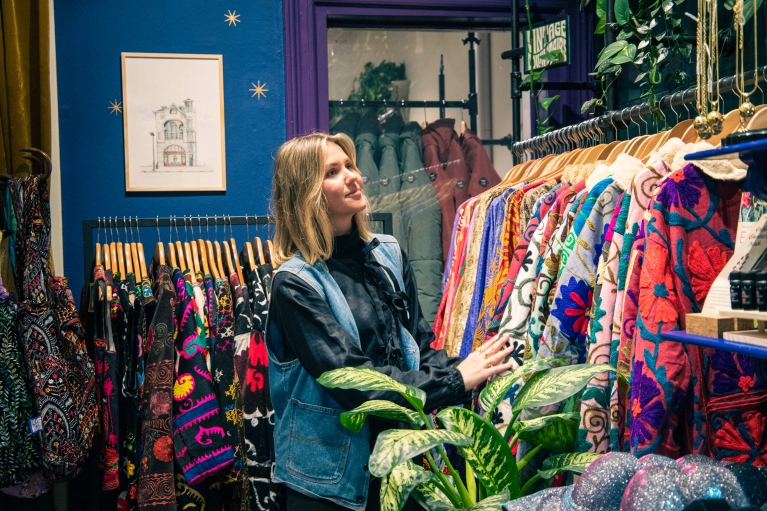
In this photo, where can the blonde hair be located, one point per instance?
(300, 212)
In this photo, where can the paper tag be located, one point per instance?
(35, 424)
(750, 242)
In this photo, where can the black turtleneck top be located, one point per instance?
(311, 333)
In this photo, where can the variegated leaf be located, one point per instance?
(355, 419)
(431, 498)
(493, 503)
(554, 432)
(364, 378)
(554, 385)
(488, 454)
(492, 395)
(397, 486)
(570, 462)
(397, 445)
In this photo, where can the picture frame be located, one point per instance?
(173, 120)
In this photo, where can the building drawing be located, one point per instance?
(176, 136)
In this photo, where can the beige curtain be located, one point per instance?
(25, 92)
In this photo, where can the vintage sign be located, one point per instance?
(550, 44)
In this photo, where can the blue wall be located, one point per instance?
(90, 35)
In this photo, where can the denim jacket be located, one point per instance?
(314, 454)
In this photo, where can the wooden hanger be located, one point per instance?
(269, 252)
(203, 254)
(759, 120)
(219, 259)
(128, 260)
(195, 259)
(248, 256)
(258, 249)
(237, 266)
(172, 255)
(98, 260)
(159, 250)
(228, 260)
(729, 125)
(212, 260)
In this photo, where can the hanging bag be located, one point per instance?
(52, 339)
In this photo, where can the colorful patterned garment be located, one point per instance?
(129, 416)
(259, 303)
(250, 361)
(199, 437)
(457, 261)
(530, 204)
(490, 250)
(509, 274)
(626, 303)
(580, 220)
(684, 398)
(155, 479)
(523, 271)
(227, 385)
(20, 455)
(106, 371)
(565, 332)
(595, 427)
(62, 374)
(465, 290)
(547, 270)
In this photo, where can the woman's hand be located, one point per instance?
(485, 362)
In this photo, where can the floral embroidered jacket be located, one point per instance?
(565, 333)
(538, 221)
(686, 399)
(547, 270)
(626, 304)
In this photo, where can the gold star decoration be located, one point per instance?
(259, 90)
(232, 17)
(115, 107)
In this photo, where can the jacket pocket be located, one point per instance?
(318, 444)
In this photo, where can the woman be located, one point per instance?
(343, 297)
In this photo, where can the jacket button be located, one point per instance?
(360, 498)
(365, 468)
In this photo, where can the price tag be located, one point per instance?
(35, 424)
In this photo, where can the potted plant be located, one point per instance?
(492, 472)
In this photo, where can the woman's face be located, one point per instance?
(342, 186)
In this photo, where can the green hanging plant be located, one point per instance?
(651, 39)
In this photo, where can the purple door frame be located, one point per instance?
(306, 57)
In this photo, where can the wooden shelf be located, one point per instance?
(755, 315)
(752, 350)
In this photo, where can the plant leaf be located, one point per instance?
(653, 23)
(667, 5)
(584, 3)
(624, 34)
(488, 454)
(396, 487)
(640, 77)
(571, 462)
(749, 9)
(496, 390)
(554, 385)
(600, 28)
(625, 55)
(364, 378)
(493, 503)
(355, 419)
(609, 51)
(554, 432)
(601, 9)
(429, 496)
(546, 102)
(622, 12)
(643, 30)
(553, 56)
(588, 105)
(397, 445)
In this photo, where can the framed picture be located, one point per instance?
(174, 122)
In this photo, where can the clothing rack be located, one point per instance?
(564, 136)
(190, 221)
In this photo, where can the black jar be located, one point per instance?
(748, 290)
(736, 298)
(761, 291)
